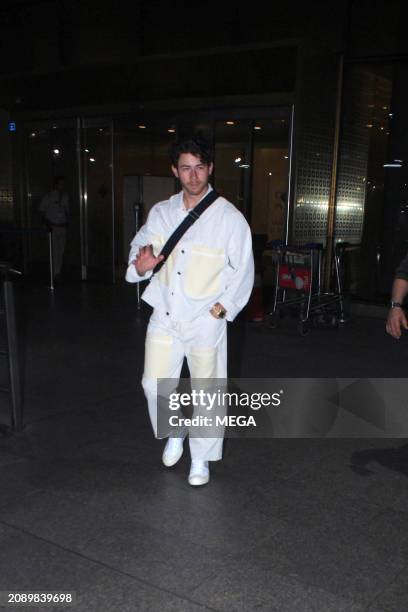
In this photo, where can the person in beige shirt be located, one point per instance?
(54, 209)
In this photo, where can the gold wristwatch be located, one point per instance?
(218, 311)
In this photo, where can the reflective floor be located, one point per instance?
(284, 525)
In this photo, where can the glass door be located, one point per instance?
(233, 161)
(98, 213)
(270, 177)
(253, 167)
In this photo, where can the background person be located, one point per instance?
(54, 209)
(397, 320)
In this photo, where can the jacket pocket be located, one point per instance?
(203, 273)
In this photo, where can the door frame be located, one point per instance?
(83, 124)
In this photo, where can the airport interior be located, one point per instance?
(304, 106)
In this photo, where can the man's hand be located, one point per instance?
(396, 320)
(145, 260)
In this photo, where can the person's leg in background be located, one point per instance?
(59, 238)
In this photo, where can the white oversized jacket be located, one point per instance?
(213, 261)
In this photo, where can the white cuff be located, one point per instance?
(231, 308)
(133, 277)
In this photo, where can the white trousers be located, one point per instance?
(59, 238)
(204, 343)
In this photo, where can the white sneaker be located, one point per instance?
(199, 473)
(172, 451)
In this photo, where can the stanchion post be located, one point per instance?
(51, 260)
(13, 357)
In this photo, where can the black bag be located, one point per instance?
(194, 214)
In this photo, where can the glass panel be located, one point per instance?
(394, 143)
(370, 193)
(314, 149)
(143, 174)
(51, 152)
(270, 177)
(232, 161)
(99, 232)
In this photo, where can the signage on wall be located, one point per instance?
(12, 126)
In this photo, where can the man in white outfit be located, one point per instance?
(205, 281)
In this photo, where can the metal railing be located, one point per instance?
(10, 351)
(38, 231)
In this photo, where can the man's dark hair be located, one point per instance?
(197, 145)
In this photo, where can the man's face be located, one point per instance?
(192, 173)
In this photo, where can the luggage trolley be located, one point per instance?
(298, 271)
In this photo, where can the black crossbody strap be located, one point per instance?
(194, 214)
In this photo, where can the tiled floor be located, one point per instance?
(285, 525)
